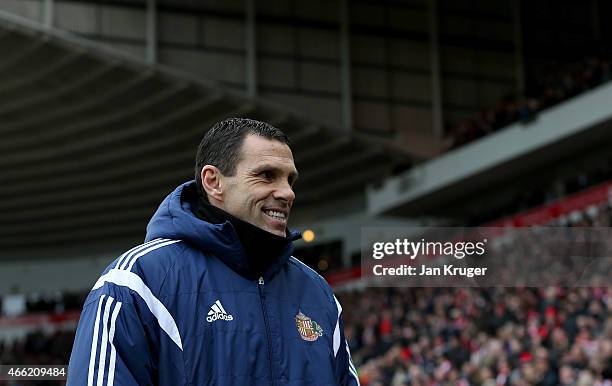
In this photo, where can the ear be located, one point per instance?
(212, 183)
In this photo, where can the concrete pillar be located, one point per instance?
(151, 33)
(48, 9)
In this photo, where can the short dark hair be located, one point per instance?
(221, 145)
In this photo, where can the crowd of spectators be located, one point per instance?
(554, 85)
(502, 336)
(480, 336)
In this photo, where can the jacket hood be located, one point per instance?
(175, 219)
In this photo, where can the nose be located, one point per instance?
(285, 192)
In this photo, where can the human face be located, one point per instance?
(261, 190)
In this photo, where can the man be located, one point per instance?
(213, 297)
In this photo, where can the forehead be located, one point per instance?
(258, 150)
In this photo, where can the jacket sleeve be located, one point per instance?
(346, 373)
(113, 343)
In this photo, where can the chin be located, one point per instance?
(279, 233)
(276, 232)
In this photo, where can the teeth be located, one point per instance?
(276, 215)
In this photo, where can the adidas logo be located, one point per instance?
(217, 312)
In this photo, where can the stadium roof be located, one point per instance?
(93, 139)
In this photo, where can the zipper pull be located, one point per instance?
(261, 280)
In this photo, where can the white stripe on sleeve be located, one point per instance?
(104, 341)
(337, 329)
(94, 344)
(149, 249)
(113, 355)
(352, 369)
(126, 256)
(142, 247)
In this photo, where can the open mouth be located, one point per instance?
(276, 214)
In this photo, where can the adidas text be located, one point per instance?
(217, 316)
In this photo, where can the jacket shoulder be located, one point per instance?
(148, 262)
(312, 276)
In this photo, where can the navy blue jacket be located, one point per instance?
(175, 311)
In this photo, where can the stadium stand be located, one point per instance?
(557, 85)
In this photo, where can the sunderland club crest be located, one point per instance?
(309, 329)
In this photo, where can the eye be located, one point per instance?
(266, 174)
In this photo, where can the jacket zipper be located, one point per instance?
(262, 298)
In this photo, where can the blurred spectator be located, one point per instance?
(13, 304)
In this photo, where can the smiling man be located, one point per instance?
(213, 296)
(259, 188)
